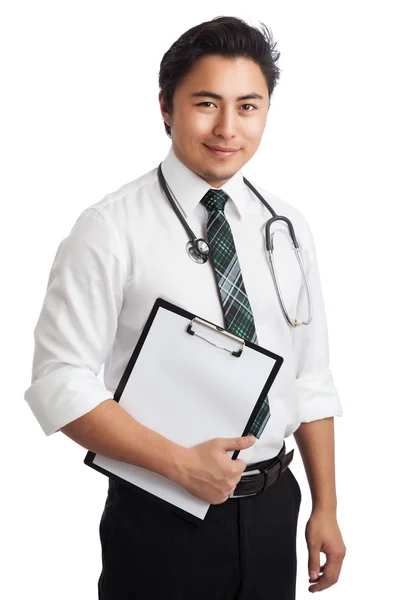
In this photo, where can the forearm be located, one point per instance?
(315, 441)
(111, 431)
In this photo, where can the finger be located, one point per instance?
(330, 576)
(321, 571)
(313, 562)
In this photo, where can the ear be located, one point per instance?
(164, 111)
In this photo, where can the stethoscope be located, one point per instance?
(199, 250)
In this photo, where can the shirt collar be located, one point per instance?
(188, 188)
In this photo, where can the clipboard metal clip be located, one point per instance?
(220, 330)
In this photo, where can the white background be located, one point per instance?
(80, 117)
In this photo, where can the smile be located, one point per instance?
(222, 153)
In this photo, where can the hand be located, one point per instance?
(208, 473)
(323, 535)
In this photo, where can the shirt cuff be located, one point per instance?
(318, 398)
(64, 395)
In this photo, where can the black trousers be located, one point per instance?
(245, 549)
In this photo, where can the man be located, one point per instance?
(216, 83)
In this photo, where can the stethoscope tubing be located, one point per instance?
(197, 243)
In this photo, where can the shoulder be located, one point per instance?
(112, 213)
(109, 217)
(118, 204)
(104, 227)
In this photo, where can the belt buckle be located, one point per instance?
(233, 495)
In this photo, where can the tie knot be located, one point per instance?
(214, 199)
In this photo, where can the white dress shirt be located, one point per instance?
(130, 248)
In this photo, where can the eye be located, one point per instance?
(202, 103)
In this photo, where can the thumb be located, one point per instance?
(238, 443)
(313, 564)
(249, 439)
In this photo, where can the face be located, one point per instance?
(215, 106)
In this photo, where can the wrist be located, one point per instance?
(324, 508)
(324, 498)
(175, 463)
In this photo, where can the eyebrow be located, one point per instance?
(207, 94)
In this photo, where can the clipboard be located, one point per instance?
(190, 380)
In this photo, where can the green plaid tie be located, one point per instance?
(235, 304)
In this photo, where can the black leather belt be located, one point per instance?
(250, 485)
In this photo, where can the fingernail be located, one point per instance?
(313, 574)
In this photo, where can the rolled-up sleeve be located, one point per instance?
(317, 394)
(77, 324)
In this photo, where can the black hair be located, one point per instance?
(225, 36)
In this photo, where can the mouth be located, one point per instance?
(219, 152)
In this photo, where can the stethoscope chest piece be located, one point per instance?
(198, 250)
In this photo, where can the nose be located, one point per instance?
(225, 124)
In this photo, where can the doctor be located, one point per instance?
(123, 252)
